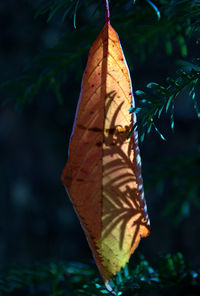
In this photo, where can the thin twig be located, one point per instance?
(107, 10)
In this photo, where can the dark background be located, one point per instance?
(37, 220)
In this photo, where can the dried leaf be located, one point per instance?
(103, 172)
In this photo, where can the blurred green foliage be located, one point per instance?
(178, 177)
(178, 21)
(170, 275)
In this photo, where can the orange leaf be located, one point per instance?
(103, 172)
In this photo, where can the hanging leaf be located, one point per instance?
(103, 172)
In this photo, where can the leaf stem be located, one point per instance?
(107, 10)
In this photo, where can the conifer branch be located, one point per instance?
(158, 99)
(170, 273)
(179, 21)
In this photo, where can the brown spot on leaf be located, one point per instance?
(95, 129)
(92, 129)
(99, 144)
(67, 178)
(110, 131)
(81, 126)
(112, 144)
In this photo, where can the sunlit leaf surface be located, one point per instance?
(103, 172)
